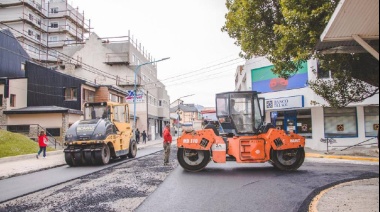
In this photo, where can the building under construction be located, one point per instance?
(44, 27)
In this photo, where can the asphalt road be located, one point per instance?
(22, 185)
(251, 187)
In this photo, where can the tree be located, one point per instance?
(286, 32)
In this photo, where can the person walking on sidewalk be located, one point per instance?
(137, 136)
(144, 136)
(167, 143)
(42, 142)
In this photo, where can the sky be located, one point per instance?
(203, 59)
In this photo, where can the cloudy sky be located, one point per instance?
(203, 58)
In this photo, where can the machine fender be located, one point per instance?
(197, 140)
(279, 140)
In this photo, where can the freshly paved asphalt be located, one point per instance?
(14, 187)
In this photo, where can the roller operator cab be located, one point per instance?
(244, 137)
(103, 134)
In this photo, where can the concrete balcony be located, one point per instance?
(117, 59)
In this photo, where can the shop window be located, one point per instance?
(298, 121)
(340, 122)
(71, 94)
(13, 100)
(371, 118)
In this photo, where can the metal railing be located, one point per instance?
(332, 141)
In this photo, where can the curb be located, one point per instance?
(344, 157)
(22, 157)
(56, 152)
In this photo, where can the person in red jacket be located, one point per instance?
(167, 143)
(42, 142)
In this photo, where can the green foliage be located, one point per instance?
(348, 81)
(286, 32)
(13, 144)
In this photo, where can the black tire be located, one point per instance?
(79, 159)
(211, 126)
(289, 159)
(89, 158)
(103, 157)
(69, 159)
(132, 149)
(193, 160)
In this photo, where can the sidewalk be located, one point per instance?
(24, 164)
(355, 153)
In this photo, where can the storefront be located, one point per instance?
(289, 107)
(348, 126)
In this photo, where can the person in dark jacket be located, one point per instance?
(167, 144)
(144, 135)
(137, 136)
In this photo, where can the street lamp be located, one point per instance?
(178, 111)
(135, 87)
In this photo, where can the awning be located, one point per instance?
(353, 28)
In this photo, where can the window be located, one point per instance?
(13, 100)
(321, 73)
(71, 94)
(54, 10)
(53, 39)
(340, 122)
(19, 128)
(120, 114)
(88, 95)
(30, 32)
(54, 25)
(31, 17)
(1, 100)
(39, 21)
(38, 37)
(56, 132)
(371, 118)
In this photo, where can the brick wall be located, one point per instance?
(102, 94)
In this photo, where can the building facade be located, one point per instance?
(187, 115)
(113, 62)
(43, 27)
(33, 97)
(289, 107)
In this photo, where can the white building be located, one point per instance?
(43, 26)
(288, 107)
(113, 62)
